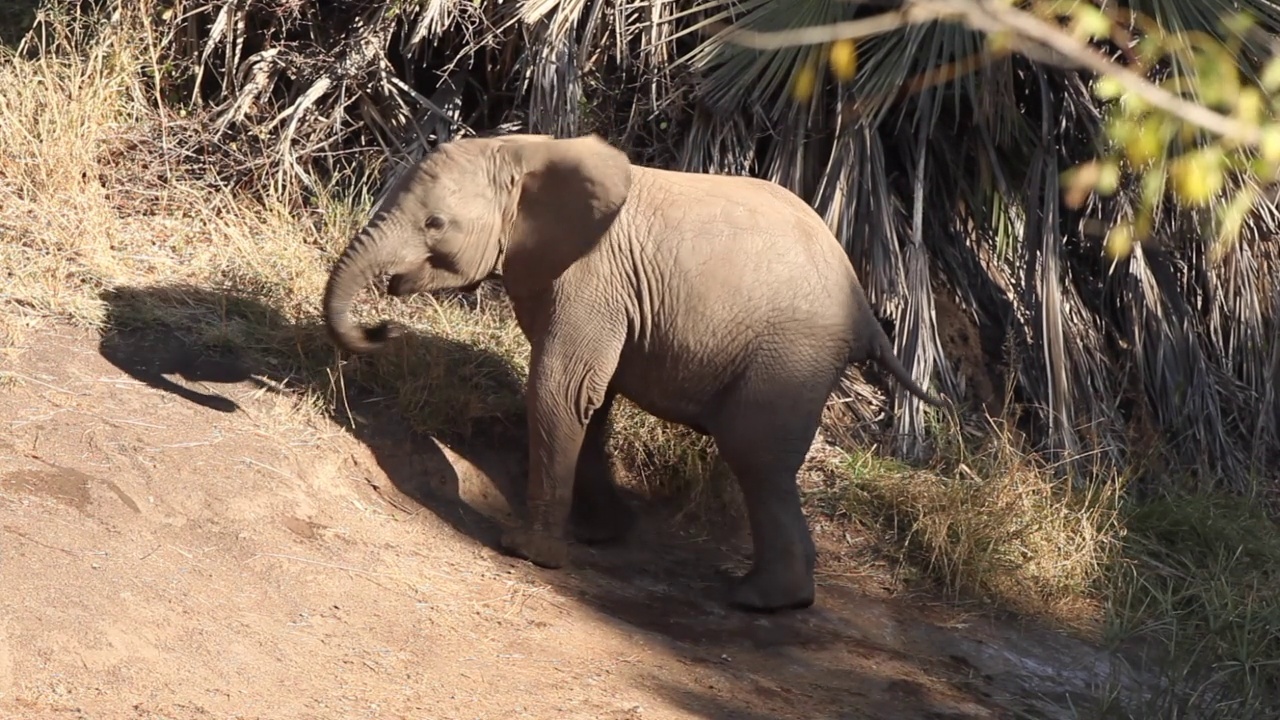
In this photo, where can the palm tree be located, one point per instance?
(938, 170)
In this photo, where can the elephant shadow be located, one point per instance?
(209, 338)
(473, 477)
(148, 356)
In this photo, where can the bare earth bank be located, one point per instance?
(211, 550)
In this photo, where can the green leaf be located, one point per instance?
(1108, 177)
(1270, 144)
(1146, 141)
(1153, 184)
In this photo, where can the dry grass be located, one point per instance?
(102, 223)
(988, 520)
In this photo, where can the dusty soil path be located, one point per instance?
(210, 550)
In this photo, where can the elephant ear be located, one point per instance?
(568, 194)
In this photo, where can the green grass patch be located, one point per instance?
(1200, 584)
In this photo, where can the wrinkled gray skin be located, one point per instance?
(721, 303)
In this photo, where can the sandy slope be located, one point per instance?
(165, 558)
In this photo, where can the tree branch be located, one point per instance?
(1027, 33)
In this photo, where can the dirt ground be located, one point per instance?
(175, 549)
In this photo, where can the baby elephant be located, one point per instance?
(721, 303)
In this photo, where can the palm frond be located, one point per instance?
(724, 146)
(733, 76)
(552, 72)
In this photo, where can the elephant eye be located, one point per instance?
(434, 222)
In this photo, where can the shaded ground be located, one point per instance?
(196, 547)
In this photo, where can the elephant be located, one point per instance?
(721, 303)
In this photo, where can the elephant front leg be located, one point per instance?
(554, 446)
(560, 402)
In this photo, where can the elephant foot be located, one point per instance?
(772, 592)
(599, 526)
(537, 547)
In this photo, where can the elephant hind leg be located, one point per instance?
(764, 441)
(600, 514)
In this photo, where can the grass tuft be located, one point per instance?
(988, 520)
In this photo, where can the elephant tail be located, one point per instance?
(882, 352)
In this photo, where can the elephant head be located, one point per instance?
(523, 206)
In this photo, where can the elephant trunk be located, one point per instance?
(366, 257)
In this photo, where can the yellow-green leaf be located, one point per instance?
(1264, 171)
(1249, 105)
(1149, 49)
(1145, 143)
(1153, 184)
(1231, 220)
(1089, 23)
(1108, 177)
(1142, 223)
(1132, 105)
(804, 82)
(1239, 23)
(1197, 175)
(1217, 79)
(843, 59)
(1270, 143)
(999, 42)
(1118, 128)
(1271, 75)
(1119, 242)
(1107, 88)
